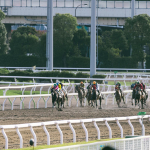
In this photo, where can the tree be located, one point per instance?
(137, 31)
(21, 44)
(42, 46)
(79, 40)
(119, 41)
(3, 32)
(65, 26)
(25, 30)
(106, 50)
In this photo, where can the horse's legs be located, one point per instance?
(81, 102)
(67, 99)
(100, 101)
(123, 99)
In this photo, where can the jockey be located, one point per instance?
(61, 87)
(139, 85)
(82, 87)
(95, 86)
(118, 85)
(56, 87)
(132, 85)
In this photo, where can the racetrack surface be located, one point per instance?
(48, 114)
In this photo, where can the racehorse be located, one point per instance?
(92, 96)
(89, 95)
(140, 96)
(81, 94)
(65, 95)
(60, 99)
(53, 97)
(119, 96)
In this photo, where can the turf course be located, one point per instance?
(19, 92)
(66, 144)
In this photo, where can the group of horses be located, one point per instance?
(58, 98)
(92, 96)
(139, 97)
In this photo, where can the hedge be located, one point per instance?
(74, 62)
(122, 62)
(148, 62)
(22, 61)
(79, 62)
(98, 76)
(46, 74)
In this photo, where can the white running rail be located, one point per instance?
(40, 96)
(70, 122)
(63, 68)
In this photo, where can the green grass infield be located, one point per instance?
(65, 144)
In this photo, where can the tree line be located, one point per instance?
(70, 43)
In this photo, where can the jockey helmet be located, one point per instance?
(138, 82)
(81, 82)
(94, 82)
(118, 82)
(57, 83)
(54, 84)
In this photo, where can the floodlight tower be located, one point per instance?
(49, 38)
(93, 39)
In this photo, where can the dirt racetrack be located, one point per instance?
(40, 115)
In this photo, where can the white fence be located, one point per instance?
(98, 69)
(138, 143)
(132, 79)
(106, 92)
(70, 122)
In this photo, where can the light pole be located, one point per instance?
(93, 39)
(49, 38)
(78, 6)
(97, 34)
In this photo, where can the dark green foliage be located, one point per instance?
(81, 75)
(80, 41)
(21, 73)
(119, 41)
(79, 62)
(3, 33)
(137, 31)
(41, 50)
(21, 44)
(148, 62)
(3, 71)
(99, 76)
(21, 61)
(124, 62)
(2, 15)
(64, 29)
(25, 30)
(47, 74)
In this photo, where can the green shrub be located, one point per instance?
(47, 74)
(66, 74)
(81, 75)
(79, 62)
(4, 71)
(99, 76)
(21, 73)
